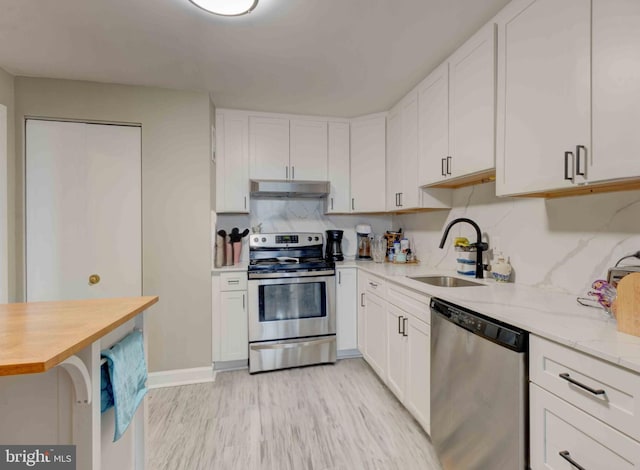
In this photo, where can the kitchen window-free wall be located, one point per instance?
(176, 133)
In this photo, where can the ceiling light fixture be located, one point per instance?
(226, 7)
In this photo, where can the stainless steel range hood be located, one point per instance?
(290, 189)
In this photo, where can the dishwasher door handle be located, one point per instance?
(567, 377)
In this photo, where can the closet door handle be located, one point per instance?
(567, 456)
(578, 148)
(362, 300)
(567, 156)
(399, 324)
(449, 165)
(404, 326)
(442, 166)
(568, 378)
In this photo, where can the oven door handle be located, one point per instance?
(330, 272)
(295, 344)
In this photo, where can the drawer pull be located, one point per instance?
(362, 300)
(373, 284)
(233, 281)
(567, 456)
(566, 377)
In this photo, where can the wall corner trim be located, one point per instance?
(173, 378)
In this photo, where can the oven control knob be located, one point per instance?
(317, 238)
(309, 238)
(256, 239)
(264, 239)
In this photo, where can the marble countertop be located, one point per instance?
(552, 315)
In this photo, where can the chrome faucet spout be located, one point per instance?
(480, 246)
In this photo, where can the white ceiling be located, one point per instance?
(324, 57)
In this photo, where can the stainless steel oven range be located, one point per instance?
(292, 317)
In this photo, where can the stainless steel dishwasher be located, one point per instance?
(479, 400)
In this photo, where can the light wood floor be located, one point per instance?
(315, 418)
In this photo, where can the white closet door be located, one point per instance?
(83, 210)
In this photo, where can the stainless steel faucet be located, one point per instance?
(479, 244)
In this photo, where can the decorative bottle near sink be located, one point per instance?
(501, 268)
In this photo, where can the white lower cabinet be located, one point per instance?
(375, 351)
(230, 329)
(346, 310)
(417, 393)
(583, 411)
(396, 350)
(564, 437)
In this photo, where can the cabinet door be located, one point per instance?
(232, 162)
(543, 93)
(362, 317)
(433, 126)
(561, 432)
(368, 164)
(472, 104)
(308, 150)
(396, 350)
(394, 159)
(338, 200)
(409, 192)
(234, 335)
(418, 372)
(376, 333)
(346, 309)
(615, 90)
(269, 148)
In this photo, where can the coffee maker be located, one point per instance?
(364, 241)
(333, 250)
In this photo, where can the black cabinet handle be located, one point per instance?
(400, 199)
(331, 203)
(353, 203)
(578, 148)
(399, 325)
(243, 302)
(293, 172)
(442, 163)
(339, 277)
(362, 300)
(404, 326)
(397, 199)
(567, 155)
(449, 165)
(567, 456)
(245, 202)
(568, 378)
(286, 172)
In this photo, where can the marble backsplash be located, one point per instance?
(299, 215)
(560, 244)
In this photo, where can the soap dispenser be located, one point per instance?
(501, 268)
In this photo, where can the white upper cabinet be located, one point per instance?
(338, 168)
(269, 148)
(472, 105)
(543, 94)
(394, 159)
(308, 150)
(615, 90)
(433, 126)
(409, 197)
(368, 138)
(232, 162)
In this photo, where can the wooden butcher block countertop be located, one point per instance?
(36, 336)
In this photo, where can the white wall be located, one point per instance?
(561, 244)
(7, 227)
(175, 200)
(300, 215)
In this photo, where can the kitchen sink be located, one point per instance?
(445, 281)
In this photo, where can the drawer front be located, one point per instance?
(233, 281)
(375, 285)
(562, 436)
(411, 302)
(608, 392)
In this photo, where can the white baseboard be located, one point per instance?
(348, 353)
(173, 378)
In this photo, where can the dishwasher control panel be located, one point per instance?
(494, 330)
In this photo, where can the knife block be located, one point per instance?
(628, 304)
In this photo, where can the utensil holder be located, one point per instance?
(220, 259)
(229, 255)
(237, 248)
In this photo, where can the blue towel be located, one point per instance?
(128, 374)
(106, 394)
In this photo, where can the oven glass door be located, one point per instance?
(291, 307)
